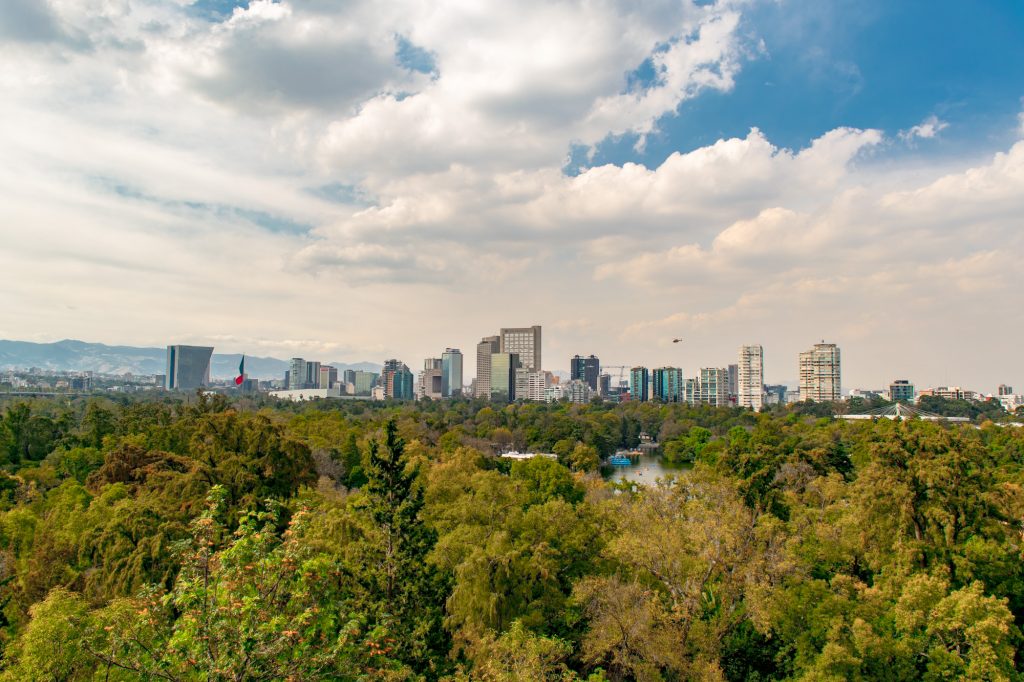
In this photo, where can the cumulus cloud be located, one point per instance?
(332, 176)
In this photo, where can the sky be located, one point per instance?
(348, 180)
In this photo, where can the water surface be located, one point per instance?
(646, 470)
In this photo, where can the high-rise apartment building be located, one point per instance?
(713, 387)
(487, 347)
(524, 342)
(667, 384)
(188, 367)
(639, 386)
(901, 391)
(451, 372)
(1004, 390)
(750, 378)
(691, 391)
(503, 376)
(585, 369)
(820, 375)
(537, 386)
(734, 382)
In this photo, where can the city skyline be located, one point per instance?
(689, 371)
(201, 173)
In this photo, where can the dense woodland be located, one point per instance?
(214, 539)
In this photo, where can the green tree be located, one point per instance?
(97, 423)
(50, 648)
(402, 592)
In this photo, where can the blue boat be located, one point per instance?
(620, 460)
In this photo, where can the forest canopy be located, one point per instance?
(204, 538)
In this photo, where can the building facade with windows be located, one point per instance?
(398, 380)
(902, 391)
(667, 384)
(488, 346)
(585, 369)
(750, 378)
(713, 387)
(524, 342)
(503, 376)
(451, 372)
(820, 373)
(639, 384)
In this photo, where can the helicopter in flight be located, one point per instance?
(677, 340)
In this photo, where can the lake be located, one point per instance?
(645, 470)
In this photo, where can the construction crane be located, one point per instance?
(622, 370)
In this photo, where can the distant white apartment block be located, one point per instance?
(750, 378)
(820, 374)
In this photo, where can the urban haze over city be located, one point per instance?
(358, 183)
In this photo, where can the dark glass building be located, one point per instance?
(639, 384)
(585, 369)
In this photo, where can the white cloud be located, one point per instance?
(925, 130)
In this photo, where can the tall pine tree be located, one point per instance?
(404, 592)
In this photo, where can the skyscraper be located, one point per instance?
(820, 376)
(188, 367)
(328, 377)
(585, 369)
(667, 384)
(297, 374)
(750, 379)
(487, 347)
(524, 342)
(503, 376)
(398, 380)
(639, 388)
(451, 368)
(312, 374)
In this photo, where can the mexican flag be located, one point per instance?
(241, 372)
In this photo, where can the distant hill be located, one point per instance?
(70, 355)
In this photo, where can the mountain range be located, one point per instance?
(79, 356)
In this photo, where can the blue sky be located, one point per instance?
(357, 180)
(861, 63)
